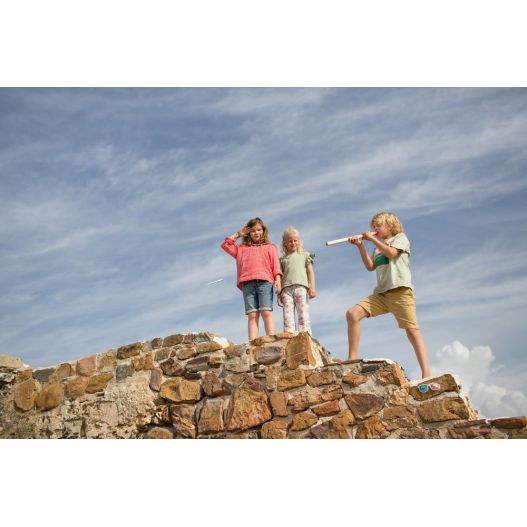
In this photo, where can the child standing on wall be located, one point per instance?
(258, 269)
(394, 292)
(298, 283)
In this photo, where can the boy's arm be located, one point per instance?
(311, 277)
(388, 251)
(366, 259)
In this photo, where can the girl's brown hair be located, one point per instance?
(250, 224)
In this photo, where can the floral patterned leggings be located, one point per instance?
(295, 296)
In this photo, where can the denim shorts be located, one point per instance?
(257, 295)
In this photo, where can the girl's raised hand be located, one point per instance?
(244, 231)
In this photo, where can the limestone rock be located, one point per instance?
(364, 405)
(445, 409)
(183, 420)
(303, 420)
(320, 378)
(106, 362)
(172, 367)
(76, 387)
(291, 379)
(173, 340)
(50, 396)
(279, 403)
(372, 428)
(211, 417)
(391, 374)
(10, 362)
(274, 430)
(249, 406)
(298, 351)
(186, 351)
(181, 390)
(64, 371)
(205, 347)
(87, 366)
(98, 383)
(354, 379)
(327, 408)
(130, 350)
(212, 386)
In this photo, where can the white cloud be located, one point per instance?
(479, 377)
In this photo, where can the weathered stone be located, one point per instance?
(291, 379)
(321, 431)
(159, 433)
(7, 378)
(303, 420)
(173, 340)
(233, 381)
(509, 422)
(211, 417)
(206, 347)
(172, 367)
(343, 421)
(185, 351)
(402, 422)
(24, 375)
(156, 343)
(163, 354)
(327, 408)
(320, 378)
(235, 350)
(272, 374)
(197, 364)
(397, 412)
(398, 397)
(268, 354)
(284, 335)
(124, 370)
(106, 362)
(130, 350)
(417, 433)
(25, 393)
(238, 364)
(149, 361)
(183, 420)
(43, 375)
(354, 379)
(76, 387)
(470, 432)
(391, 374)
(260, 341)
(98, 383)
(50, 396)
(309, 396)
(181, 390)
(212, 385)
(63, 371)
(372, 428)
(364, 405)
(216, 359)
(274, 430)
(518, 434)
(156, 377)
(445, 409)
(87, 366)
(248, 407)
(10, 362)
(298, 351)
(138, 362)
(446, 382)
(279, 403)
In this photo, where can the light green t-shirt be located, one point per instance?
(395, 272)
(294, 268)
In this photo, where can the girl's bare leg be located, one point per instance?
(268, 322)
(418, 343)
(252, 324)
(353, 317)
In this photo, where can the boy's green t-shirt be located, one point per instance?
(396, 272)
(294, 268)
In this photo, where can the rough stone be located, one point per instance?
(106, 362)
(181, 390)
(159, 433)
(238, 365)
(364, 405)
(87, 366)
(25, 393)
(391, 374)
(397, 412)
(327, 408)
(172, 367)
(268, 355)
(354, 379)
(298, 351)
(260, 341)
(10, 362)
(197, 364)
(63, 371)
(98, 383)
(183, 420)
(43, 375)
(445, 409)
(279, 403)
(163, 354)
(446, 382)
(138, 362)
(76, 387)
(156, 378)
(130, 350)
(249, 406)
(470, 432)
(206, 347)
(50, 396)
(212, 386)
(149, 361)
(124, 370)
(211, 417)
(303, 420)
(291, 379)
(274, 430)
(156, 343)
(509, 422)
(308, 396)
(173, 340)
(320, 378)
(236, 350)
(372, 428)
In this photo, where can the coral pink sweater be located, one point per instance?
(253, 262)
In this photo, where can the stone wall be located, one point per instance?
(200, 385)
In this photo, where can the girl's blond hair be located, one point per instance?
(389, 219)
(290, 231)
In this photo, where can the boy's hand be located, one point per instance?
(367, 236)
(355, 240)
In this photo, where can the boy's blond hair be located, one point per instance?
(290, 231)
(389, 219)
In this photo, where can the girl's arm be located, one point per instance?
(276, 268)
(229, 244)
(311, 277)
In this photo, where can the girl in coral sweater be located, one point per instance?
(258, 269)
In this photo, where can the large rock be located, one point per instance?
(25, 393)
(181, 390)
(249, 406)
(298, 351)
(211, 417)
(10, 362)
(364, 405)
(445, 409)
(50, 397)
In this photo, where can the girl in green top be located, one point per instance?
(298, 282)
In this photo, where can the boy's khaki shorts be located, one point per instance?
(399, 301)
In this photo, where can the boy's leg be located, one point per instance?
(354, 316)
(418, 343)
(252, 324)
(289, 311)
(268, 322)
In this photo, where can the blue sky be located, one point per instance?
(115, 202)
